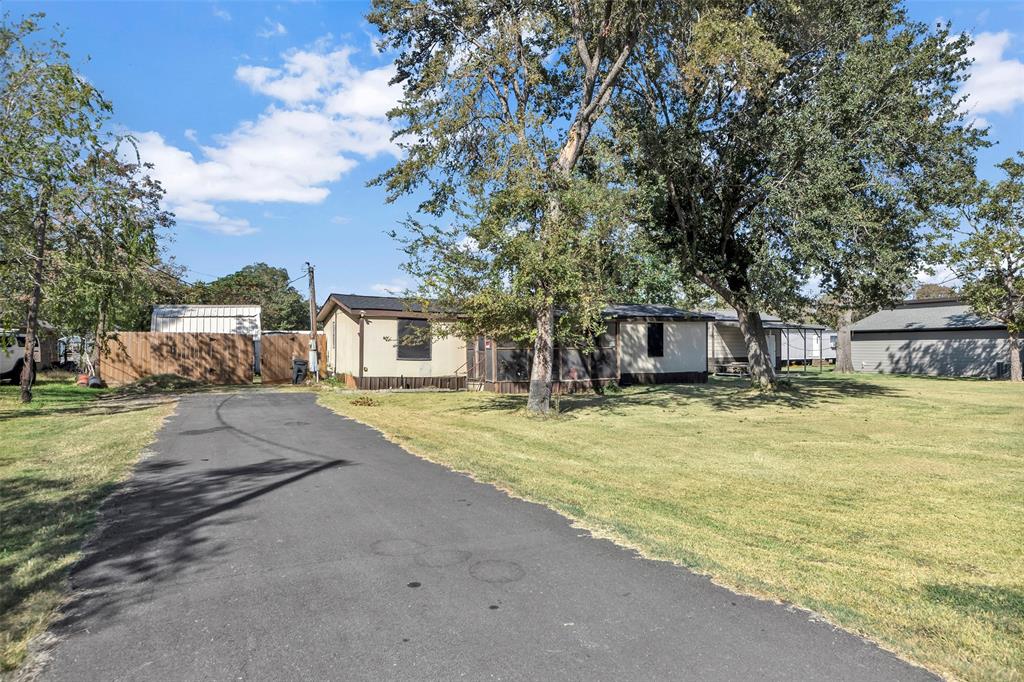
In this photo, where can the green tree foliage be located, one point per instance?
(929, 290)
(500, 102)
(111, 270)
(283, 307)
(984, 247)
(791, 143)
(80, 226)
(50, 119)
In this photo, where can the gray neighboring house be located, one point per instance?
(937, 337)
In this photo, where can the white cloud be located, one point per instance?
(191, 135)
(393, 287)
(271, 28)
(207, 216)
(328, 78)
(326, 114)
(979, 122)
(221, 13)
(996, 84)
(940, 274)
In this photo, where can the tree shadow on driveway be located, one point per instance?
(157, 528)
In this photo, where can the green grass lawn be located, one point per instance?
(59, 457)
(892, 506)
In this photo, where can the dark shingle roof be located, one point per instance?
(645, 310)
(392, 303)
(769, 321)
(357, 302)
(927, 314)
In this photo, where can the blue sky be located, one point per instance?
(266, 120)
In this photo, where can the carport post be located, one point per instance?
(803, 336)
(821, 350)
(789, 354)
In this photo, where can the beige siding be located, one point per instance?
(380, 353)
(972, 353)
(342, 344)
(685, 348)
(726, 343)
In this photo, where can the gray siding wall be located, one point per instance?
(968, 353)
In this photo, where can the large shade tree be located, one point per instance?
(793, 144)
(282, 306)
(501, 101)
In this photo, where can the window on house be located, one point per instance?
(655, 339)
(413, 339)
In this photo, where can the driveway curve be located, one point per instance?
(269, 538)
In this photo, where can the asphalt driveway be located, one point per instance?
(268, 538)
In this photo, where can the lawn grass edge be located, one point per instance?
(604, 533)
(39, 648)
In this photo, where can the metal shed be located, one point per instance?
(938, 337)
(210, 319)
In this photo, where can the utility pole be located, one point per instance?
(313, 365)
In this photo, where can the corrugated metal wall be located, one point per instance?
(970, 353)
(206, 319)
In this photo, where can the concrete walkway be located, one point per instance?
(269, 538)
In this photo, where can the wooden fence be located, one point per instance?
(278, 350)
(206, 358)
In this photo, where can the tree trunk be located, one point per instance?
(844, 342)
(101, 339)
(759, 359)
(539, 401)
(1015, 365)
(28, 368)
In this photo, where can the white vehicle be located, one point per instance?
(12, 356)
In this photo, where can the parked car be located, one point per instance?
(12, 356)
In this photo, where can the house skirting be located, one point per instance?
(629, 379)
(454, 383)
(557, 387)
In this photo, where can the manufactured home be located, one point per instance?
(641, 344)
(807, 345)
(385, 342)
(939, 337)
(788, 342)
